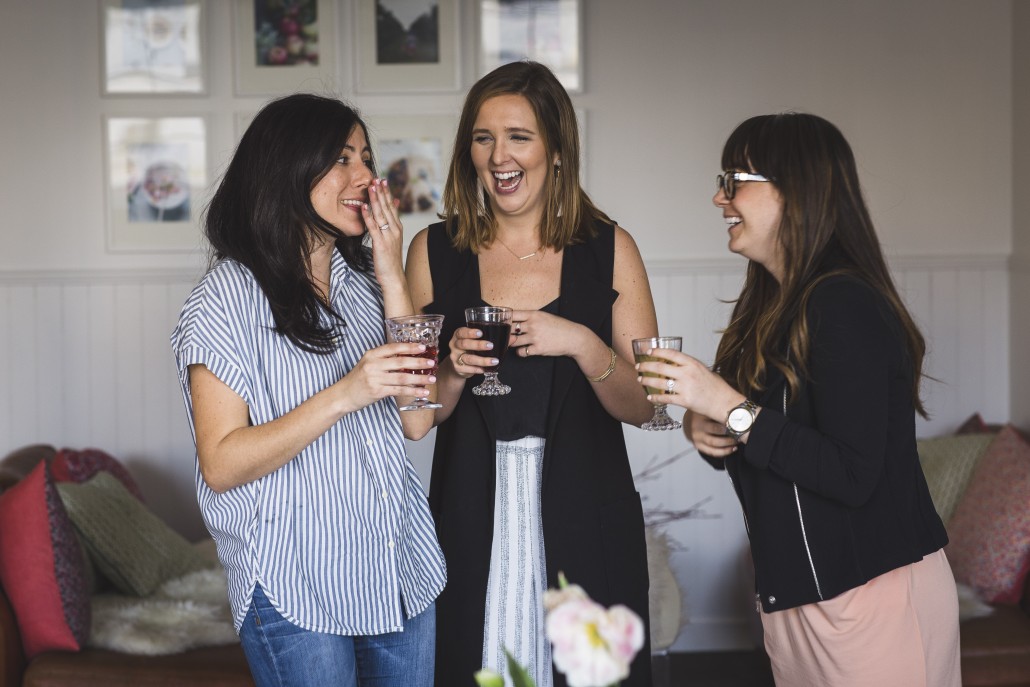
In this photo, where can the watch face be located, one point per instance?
(739, 420)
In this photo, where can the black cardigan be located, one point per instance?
(592, 516)
(860, 506)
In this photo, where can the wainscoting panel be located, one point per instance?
(85, 361)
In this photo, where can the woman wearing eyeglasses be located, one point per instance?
(811, 409)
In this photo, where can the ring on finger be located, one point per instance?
(526, 349)
(461, 359)
(384, 226)
(670, 385)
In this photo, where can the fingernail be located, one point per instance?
(489, 346)
(495, 361)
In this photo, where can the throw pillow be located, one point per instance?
(69, 465)
(41, 566)
(990, 530)
(130, 545)
(948, 464)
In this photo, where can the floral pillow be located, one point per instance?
(990, 530)
(70, 465)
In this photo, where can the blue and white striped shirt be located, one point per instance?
(340, 538)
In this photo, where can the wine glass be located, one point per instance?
(422, 329)
(661, 419)
(495, 323)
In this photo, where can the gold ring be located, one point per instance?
(526, 349)
(461, 358)
(384, 227)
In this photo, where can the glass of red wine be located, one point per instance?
(495, 323)
(422, 329)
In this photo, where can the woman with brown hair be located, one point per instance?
(811, 409)
(536, 482)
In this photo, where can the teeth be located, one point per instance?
(733, 220)
(506, 175)
(348, 201)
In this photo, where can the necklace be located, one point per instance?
(517, 256)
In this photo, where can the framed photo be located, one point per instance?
(153, 47)
(412, 152)
(155, 175)
(283, 47)
(546, 31)
(406, 46)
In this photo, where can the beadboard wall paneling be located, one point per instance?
(85, 361)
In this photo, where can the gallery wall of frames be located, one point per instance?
(158, 169)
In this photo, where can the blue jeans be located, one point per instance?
(281, 653)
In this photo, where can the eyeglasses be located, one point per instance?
(727, 181)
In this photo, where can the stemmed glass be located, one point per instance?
(422, 329)
(495, 323)
(661, 419)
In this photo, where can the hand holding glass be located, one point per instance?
(421, 329)
(495, 323)
(661, 419)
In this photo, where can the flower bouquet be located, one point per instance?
(591, 645)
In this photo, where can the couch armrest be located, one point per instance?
(12, 656)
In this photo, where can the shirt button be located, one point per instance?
(384, 494)
(390, 543)
(772, 600)
(369, 443)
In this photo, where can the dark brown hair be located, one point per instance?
(825, 230)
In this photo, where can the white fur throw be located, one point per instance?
(184, 613)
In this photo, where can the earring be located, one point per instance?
(557, 168)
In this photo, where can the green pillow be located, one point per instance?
(948, 464)
(130, 546)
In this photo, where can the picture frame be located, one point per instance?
(153, 47)
(545, 31)
(156, 179)
(413, 152)
(406, 46)
(282, 49)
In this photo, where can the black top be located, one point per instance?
(833, 492)
(593, 522)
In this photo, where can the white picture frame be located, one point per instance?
(379, 67)
(153, 47)
(545, 31)
(413, 152)
(275, 53)
(156, 180)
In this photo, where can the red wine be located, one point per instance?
(428, 354)
(496, 333)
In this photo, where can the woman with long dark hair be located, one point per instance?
(536, 482)
(302, 477)
(811, 409)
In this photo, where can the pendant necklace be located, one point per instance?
(517, 256)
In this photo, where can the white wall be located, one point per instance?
(922, 88)
(1020, 268)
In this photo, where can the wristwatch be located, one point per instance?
(740, 419)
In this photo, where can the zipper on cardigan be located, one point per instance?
(801, 515)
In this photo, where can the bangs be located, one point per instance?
(749, 147)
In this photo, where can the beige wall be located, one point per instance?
(1020, 265)
(922, 88)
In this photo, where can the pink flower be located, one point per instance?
(592, 646)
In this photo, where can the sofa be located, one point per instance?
(88, 666)
(979, 479)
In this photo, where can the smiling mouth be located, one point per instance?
(507, 181)
(733, 221)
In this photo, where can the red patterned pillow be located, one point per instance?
(975, 425)
(990, 530)
(70, 465)
(42, 566)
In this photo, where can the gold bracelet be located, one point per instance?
(611, 368)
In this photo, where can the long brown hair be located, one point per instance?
(567, 208)
(825, 230)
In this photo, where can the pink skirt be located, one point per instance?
(897, 630)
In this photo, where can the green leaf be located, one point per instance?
(519, 676)
(488, 678)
